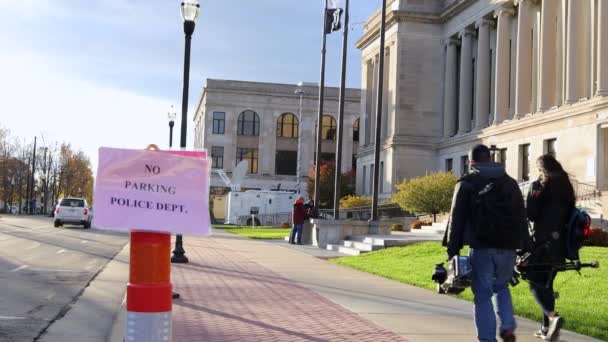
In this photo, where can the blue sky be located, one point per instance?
(104, 72)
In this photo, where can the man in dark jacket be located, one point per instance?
(298, 216)
(488, 214)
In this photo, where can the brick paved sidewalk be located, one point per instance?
(228, 297)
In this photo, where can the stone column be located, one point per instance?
(465, 109)
(482, 98)
(503, 60)
(523, 59)
(574, 30)
(450, 91)
(548, 55)
(602, 48)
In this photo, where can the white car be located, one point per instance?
(73, 210)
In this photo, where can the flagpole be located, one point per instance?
(374, 216)
(320, 114)
(338, 179)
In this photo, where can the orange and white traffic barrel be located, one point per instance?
(149, 290)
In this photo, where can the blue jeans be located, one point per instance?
(296, 233)
(492, 270)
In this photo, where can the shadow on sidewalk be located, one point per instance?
(248, 321)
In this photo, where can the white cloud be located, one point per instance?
(37, 97)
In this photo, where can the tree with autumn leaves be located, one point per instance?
(326, 188)
(60, 172)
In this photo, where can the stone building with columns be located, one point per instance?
(528, 76)
(273, 127)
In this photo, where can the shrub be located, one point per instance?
(397, 227)
(431, 194)
(353, 201)
(419, 223)
(597, 237)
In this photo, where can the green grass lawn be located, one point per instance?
(268, 233)
(583, 299)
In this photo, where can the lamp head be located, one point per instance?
(171, 116)
(190, 10)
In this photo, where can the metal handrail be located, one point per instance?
(264, 219)
(583, 191)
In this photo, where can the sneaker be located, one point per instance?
(555, 325)
(542, 333)
(507, 335)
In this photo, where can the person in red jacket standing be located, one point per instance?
(298, 216)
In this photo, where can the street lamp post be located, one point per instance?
(171, 116)
(190, 10)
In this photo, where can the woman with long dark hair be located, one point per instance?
(549, 206)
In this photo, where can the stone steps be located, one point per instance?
(436, 228)
(345, 250)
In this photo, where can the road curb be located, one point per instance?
(117, 334)
(92, 316)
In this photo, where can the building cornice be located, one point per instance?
(394, 16)
(557, 114)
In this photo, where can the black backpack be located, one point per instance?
(496, 223)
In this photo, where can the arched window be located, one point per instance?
(328, 128)
(356, 130)
(249, 123)
(287, 126)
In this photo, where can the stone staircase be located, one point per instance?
(359, 244)
(436, 228)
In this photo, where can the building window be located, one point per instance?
(219, 122)
(328, 128)
(287, 126)
(251, 156)
(286, 163)
(525, 162)
(217, 157)
(550, 147)
(249, 123)
(502, 156)
(464, 164)
(356, 130)
(449, 165)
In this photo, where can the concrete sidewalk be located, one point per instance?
(237, 289)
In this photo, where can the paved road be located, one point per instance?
(44, 269)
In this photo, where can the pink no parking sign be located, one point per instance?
(161, 191)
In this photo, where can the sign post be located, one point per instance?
(151, 194)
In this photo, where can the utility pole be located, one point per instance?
(32, 205)
(340, 137)
(374, 216)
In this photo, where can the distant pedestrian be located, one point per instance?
(550, 204)
(488, 214)
(298, 216)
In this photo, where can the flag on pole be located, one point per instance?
(333, 17)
